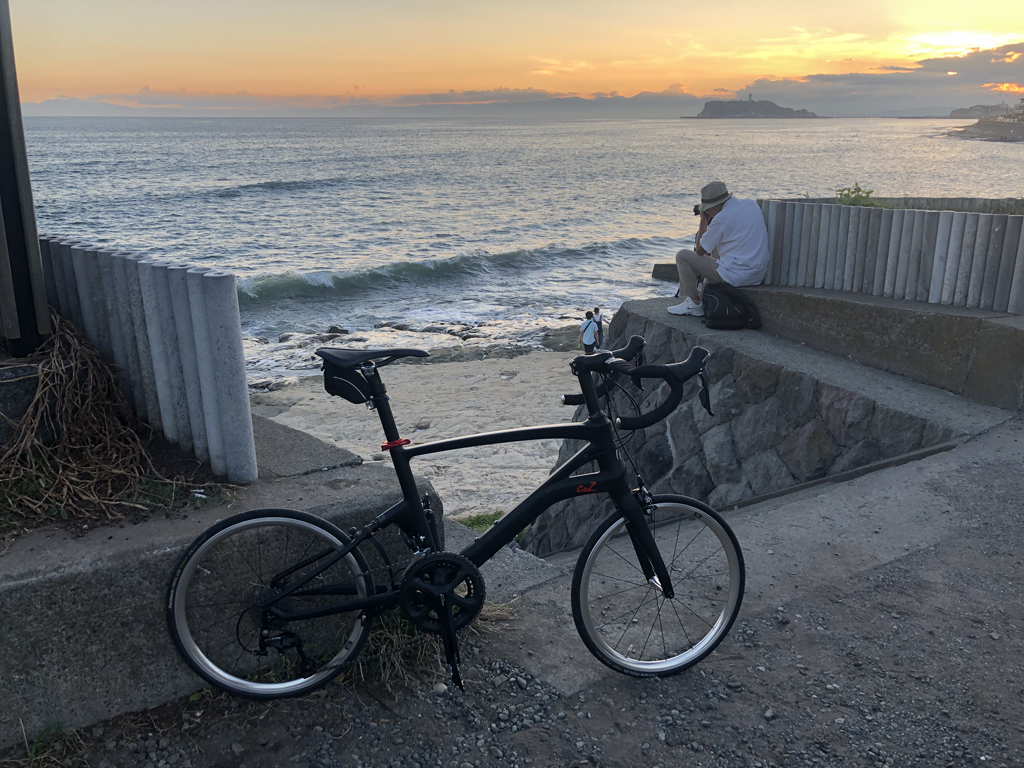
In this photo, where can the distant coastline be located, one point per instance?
(992, 130)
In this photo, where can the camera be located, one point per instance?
(696, 210)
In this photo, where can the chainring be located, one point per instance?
(439, 579)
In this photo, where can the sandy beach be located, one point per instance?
(433, 402)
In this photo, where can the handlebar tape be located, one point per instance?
(676, 374)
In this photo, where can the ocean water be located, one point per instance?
(506, 226)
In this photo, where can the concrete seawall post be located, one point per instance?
(74, 307)
(863, 243)
(924, 273)
(914, 262)
(146, 384)
(127, 318)
(800, 246)
(86, 292)
(1015, 302)
(993, 259)
(850, 264)
(48, 276)
(156, 329)
(206, 363)
(179, 399)
(866, 284)
(116, 325)
(773, 226)
(840, 261)
(63, 304)
(956, 244)
(98, 304)
(1007, 263)
(882, 253)
(978, 262)
(781, 269)
(963, 272)
(903, 259)
(941, 253)
(177, 281)
(805, 272)
(817, 279)
(232, 388)
(893, 257)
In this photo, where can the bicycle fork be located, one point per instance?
(646, 548)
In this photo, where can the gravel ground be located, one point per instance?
(918, 662)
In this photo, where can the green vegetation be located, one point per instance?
(856, 195)
(481, 523)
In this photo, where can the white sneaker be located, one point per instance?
(688, 307)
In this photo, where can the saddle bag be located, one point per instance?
(345, 382)
(726, 307)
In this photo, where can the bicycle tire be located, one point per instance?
(627, 623)
(215, 595)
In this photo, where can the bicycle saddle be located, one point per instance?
(350, 358)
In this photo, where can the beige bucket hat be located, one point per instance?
(713, 194)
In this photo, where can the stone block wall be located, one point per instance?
(774, 427)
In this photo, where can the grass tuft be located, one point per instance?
(481, 523)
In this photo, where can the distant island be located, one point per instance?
(750, 108)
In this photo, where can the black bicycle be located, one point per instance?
(274, 602)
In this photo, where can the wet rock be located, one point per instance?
(337, 329)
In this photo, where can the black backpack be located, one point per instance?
(728, 308)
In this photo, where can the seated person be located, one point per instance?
(731, 246)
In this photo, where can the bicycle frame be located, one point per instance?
(416, 520)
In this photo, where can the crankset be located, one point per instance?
(441, 593)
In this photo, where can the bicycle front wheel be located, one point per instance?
(627, 622)
(222, 592)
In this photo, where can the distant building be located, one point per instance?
(983, 111)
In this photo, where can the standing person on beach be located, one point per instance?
(599, 319)
(731, 246)
(588, 334)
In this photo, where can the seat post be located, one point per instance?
(380, 401)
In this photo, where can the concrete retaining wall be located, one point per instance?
(84, 633)
(173, 333)
(784, 415)
(953, 256)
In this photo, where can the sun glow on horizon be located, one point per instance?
(321, 52)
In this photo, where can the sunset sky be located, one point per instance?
(324, 53)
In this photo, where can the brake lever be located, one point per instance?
(705, 391)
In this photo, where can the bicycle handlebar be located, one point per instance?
(676, 375)
(606, 362)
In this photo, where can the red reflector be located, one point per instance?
(395, 443)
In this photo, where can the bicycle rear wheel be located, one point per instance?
(627, 622)
(220, 592)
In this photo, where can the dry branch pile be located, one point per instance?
(77, 452)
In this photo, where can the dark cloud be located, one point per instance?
(503, 95)
(926, 88)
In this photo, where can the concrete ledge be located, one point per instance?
(285, 452)
(83, 630)
(976, 353)
(971, 352)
